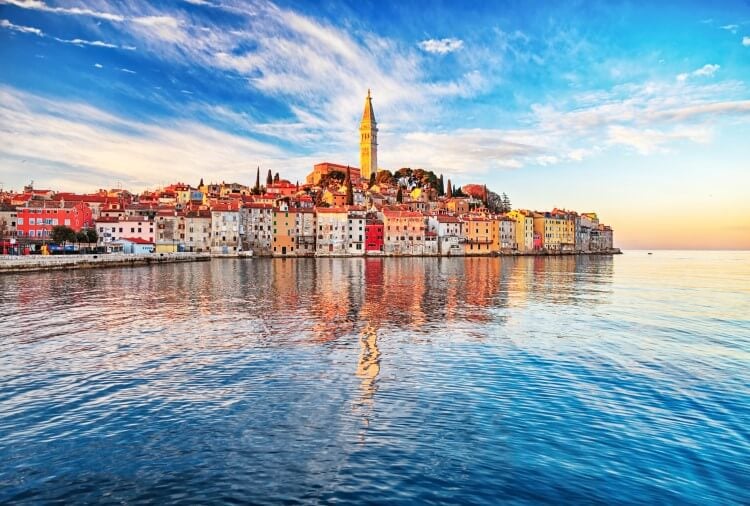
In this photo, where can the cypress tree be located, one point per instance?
(269, 178)
(276, 178)
(399, 196)
(257, 180)
(349, 189)
(372, 179)
(441, 186)
(449, 190)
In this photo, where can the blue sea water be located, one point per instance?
(417, 380)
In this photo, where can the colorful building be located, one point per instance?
(480, 234)
(35, 220)
(374, 243)
(524, 229)
(284, 231)
(449, 230)
(404, 232)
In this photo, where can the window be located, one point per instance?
(32, 221)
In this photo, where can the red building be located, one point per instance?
(36, 219)
(374, 236)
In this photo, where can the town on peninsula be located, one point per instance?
(338, 210)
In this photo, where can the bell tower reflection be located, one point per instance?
(368, 369)
(368, 366)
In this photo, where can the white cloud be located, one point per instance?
(127, 71)
(4, 23)
(648, 141)
(746, 41)
(730, 28)
(98, 65)
(441, 46)
(42, 6)
(82, 42)
(97, 147)
(707, 70)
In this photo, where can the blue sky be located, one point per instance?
(638, 111)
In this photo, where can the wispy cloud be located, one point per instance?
(730, 28)
(77, 11)
(707, 70)
(127, 71)
(441, 46)
(82, 42)
(87, 141)
(4, 23)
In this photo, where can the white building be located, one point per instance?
(508, 234)
(225, 229)
(449, 233)
(257, 227)
(305, 231)
(196, 231)
(333, 231)
(356, 220)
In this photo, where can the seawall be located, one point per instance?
(64, 262)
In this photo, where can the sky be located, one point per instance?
(638, 111)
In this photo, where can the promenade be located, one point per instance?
(60, 262)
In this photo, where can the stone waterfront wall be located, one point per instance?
(60, 262)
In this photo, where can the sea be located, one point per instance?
(519, 380)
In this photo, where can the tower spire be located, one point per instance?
(368, 140)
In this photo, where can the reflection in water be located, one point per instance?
(368, 368)
(475, 379)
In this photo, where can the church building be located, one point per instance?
(368, 151)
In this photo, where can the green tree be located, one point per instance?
(276, 178)
(91, 236)
(399, 196)
(269, 178)
(82, 236)
(62, 234)
(256, 189)
(506, 203)
(384, 176)
(449, 190)
(372, 179)
(441, 186)
(349, 189)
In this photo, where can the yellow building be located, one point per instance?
(368, 141)
(524, 229)
(284, 231)
(479, 235)
(556, 229)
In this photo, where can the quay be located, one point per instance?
(64, 262)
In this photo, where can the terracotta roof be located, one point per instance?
(447, 218)
(135, 240)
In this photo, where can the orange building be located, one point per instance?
(323, 169)
(480, 235)
(284, 231)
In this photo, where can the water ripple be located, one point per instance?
(465, 380)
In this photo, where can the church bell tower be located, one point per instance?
(368, 141)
